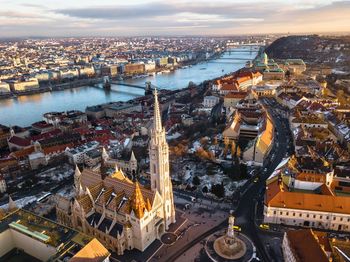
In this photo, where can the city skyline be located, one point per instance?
(175, 131)
(146, 18)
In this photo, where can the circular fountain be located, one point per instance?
(228, 245)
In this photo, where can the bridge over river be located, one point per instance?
(25, 110)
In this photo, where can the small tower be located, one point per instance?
(77, 180)
(37, 147)
(148, 88)
(133, 163)
(12, 132)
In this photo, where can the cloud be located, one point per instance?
(176, 17)
(119, 12)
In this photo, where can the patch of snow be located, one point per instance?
(22, 202)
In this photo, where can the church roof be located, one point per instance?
(118, 174)
(85, 202)
(116, 193)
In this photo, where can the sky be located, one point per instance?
(25, 18)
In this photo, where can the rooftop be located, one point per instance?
(37, 227)
(305, 246)
(65, 241)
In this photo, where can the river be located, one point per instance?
(25, 110)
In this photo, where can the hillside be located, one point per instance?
(333, 51)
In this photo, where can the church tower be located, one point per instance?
(159, 165)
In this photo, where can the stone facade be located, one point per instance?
(120, 213)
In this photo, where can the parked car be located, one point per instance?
(264, 226)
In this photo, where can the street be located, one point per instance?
(245, 212)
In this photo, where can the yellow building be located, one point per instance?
(262, 145)
(20, 86)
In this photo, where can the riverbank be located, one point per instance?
(48, 87)
(25, 110)
(54, 87)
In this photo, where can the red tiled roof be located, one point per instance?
(41, 124)
(82, 130)
(236, 95)
(45, 135)
(229, 87)
(57, 148)
(277, 195)
(23, 152)
(305, 246)
(19, 141)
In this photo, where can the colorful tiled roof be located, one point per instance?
(94, 251)
(277, 195)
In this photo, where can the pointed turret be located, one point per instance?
(77, 181)
(132, 157)
(116, 168)
(148, 205)
(12, 204)
(104, 155)
(138, 204)
(77, 172)
(157, 121)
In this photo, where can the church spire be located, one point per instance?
(159, 165)
(157, 117)
(138, 204)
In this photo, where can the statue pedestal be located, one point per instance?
(230, 248)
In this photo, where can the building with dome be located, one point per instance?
(120, 213)
(268, 67)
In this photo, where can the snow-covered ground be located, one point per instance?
(22, 202)
(67, 192)
(56, 174)
(173, 136)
